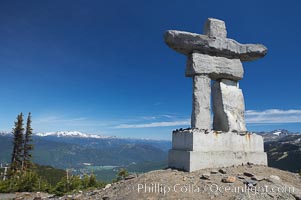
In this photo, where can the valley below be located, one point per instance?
(104, 156)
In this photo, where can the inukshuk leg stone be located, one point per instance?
(213, 56)
(201, 102)
(228, 106)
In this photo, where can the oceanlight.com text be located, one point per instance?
(209, 188)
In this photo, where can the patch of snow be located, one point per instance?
(277, 133)
(87, 164)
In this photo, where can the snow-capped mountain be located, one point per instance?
(281, 132)
(5, 133)
(76, 134)
(276, 134)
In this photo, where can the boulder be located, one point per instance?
(229, 179)
(258, 178)
(205, 176)
(223, 171)
(130, 176)
(277, 178)
(248, 174)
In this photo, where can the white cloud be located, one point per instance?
(50, 123)
(273, 112)
(149, 117)
(185, 122)
(272, 116)
(158, 117)
(54, 122)
(58, 119)
(168, 116)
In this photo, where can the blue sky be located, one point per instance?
(103, 67)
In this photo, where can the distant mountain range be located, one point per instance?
(73, 149)
(284, 149)
(72, 134)
(275, 134)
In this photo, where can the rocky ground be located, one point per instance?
(236, 183)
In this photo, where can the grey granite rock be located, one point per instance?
(205, 176)
(257, 178)
(228, 106)
(223, 171)
(248, 174)
(215, 28)
(215, 67)
(200, 117)
(186, 43)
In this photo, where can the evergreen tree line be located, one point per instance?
(25, 176)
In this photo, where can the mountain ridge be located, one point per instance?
(79, 134)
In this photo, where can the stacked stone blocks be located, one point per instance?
(214, 57)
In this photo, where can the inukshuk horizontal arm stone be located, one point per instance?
(186, 43)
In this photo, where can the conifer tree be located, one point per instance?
(16, 161)
(28, 146)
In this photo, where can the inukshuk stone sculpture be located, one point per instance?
(213, 56)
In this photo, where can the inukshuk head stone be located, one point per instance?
(213, 56)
